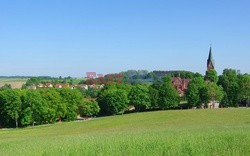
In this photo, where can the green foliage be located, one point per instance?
(224, 101)
(89, 93)
(168, 96)
(72, 98)
(197, 92)
(112, 100)
(5, 87)
(244, 85)
(34, 108)
(10, 107)
(153, 96)
(88, 108)
(139, 97)
(32, 81)
(211, 75)
(56, 107)
(215, 92)
(229, 81)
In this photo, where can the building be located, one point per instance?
(210, 60)
(180, 85)
(48, 85)
(58, 85)
(84, 86)
(65, 85)
(40, 85)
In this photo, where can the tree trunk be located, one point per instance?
(16, 117)
(16, 124)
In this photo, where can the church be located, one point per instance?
(210, 60)
(181, 84)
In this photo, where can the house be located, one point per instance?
(74, 86)
(84, 86)
(180, 85)
(40, 85)
(58, 85)
(48, 85)
(93, 86)
(65, 85)
(31, 87)
(101, 86)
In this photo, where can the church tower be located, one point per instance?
(210, 60)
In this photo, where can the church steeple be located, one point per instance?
(210, 60)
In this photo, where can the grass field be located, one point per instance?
(180, 132)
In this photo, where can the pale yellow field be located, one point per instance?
(15, 83)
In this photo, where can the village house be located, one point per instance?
(40, 85)
(84, 86)
(58, 85)
(65, 85)
(93, 86)
(74, 86)
(48, 85)
(180, 85)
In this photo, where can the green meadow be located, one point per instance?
(176, 132)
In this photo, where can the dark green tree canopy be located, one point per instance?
(211, 75)
(139, 97)
(168, 96)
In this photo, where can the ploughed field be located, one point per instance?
(176, 132)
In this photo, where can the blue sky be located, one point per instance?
(63, 37)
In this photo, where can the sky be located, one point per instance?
(72, 37)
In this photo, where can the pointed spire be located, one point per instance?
(210, 60)
(210, 57)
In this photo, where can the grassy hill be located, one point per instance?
(181, 132)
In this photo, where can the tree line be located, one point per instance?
(229, 89)
(42, 106)
(48, 105)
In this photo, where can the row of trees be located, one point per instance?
(229, 89)
(115, 99)
(48, 105)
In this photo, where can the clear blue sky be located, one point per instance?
(72, 37)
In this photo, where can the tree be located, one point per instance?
(203, 96)
(139, 97)
(153, 96)
(34, 108)
(211, 75)
(229, 81)
(192, 94)
(72, 98)
(6, 86)
(215, 92)
(244, 85)
(197, 92)
(56, 106)
(32, 81)
(112, 101)
(88, 108)
(168, 96)
(10, 107)
(224, 102)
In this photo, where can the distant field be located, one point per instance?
(14, 82)
(182, 132)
